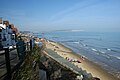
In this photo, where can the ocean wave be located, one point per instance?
(117, 57)
(103, 52)
(76, 42)
(108, 49)
(113, 50)
(114, 56)
(107, 56)
(69, 41)
(76, 30)
(55, 37)
(73, 41)
(94, 49)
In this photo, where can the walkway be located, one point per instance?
(13, 60)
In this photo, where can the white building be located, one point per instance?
(7, 37)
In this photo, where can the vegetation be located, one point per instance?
(29, 68)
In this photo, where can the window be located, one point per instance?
(4, 39)
(0, 30)
(12, 37)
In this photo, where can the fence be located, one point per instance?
(7, 55)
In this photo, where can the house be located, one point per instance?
(7, 36)
(2, 35)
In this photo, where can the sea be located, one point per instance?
(102, 48)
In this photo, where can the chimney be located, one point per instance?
(11, 26)
(14, 30)
(6, 22)
(0, 20)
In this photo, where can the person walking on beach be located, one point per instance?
(83, 57)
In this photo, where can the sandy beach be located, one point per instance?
(84, 63)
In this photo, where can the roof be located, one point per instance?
(3, 26)
(11, 26)
(14, 30)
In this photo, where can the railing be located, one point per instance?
(21, 54)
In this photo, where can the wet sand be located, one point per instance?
(85, 64)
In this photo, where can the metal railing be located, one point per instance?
(21, 54)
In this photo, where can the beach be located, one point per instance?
(84, 63)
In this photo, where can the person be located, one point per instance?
(83, 57)
(78, 61)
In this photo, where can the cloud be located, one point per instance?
(78, 6)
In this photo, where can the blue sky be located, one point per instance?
(47, 15)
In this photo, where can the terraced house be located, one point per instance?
(7, 35)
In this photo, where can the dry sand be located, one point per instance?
(85, 64)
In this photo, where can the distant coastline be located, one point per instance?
(70, 30)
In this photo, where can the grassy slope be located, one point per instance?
(29, 68)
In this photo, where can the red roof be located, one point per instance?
(6, 22)
(14, 30)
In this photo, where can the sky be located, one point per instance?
(48, 15)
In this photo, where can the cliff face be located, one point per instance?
(56, 71)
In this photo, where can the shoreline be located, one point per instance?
(91, 67)
(92, 62)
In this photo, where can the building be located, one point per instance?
(7, 35)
